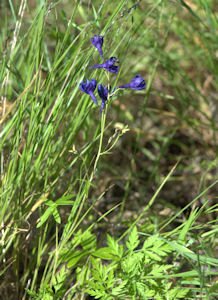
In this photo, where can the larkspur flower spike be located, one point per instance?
(103, 94)
(97, 42)
(88, 87)
(108, 65)
(137, 83)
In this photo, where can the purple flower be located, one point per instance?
(103, 94)
(88, 87)
(108, 65)
(97, 41)
(137, 83)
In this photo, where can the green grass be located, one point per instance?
(117, 206)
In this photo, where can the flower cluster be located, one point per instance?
(110, 65)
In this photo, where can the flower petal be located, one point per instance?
(93, 98)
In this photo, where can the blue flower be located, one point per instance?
(97, 42)
(103, 94)
(108, 65)
(137, 83)
(88, 87)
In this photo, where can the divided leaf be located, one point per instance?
(133, 239)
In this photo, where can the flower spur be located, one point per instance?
(108, 65)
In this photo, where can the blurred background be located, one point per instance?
(173, 46)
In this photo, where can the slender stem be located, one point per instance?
(103, 118)
(108, 82)
(56, 256)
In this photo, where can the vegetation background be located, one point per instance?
(118, 206)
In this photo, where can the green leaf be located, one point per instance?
(132, 263)
(190, 254)
(187, 226)
(153, 255)
(158, 270)
(141, 290)
(110, 279)
(88, 241)
(104, 253)
(117, 291)
(56, 215)
(115, 249)
(178, 293)
(97, 294)
(76, 256)
(50, 203)
(65, 200)
(133, 239)
(45, 216)
(149, 242)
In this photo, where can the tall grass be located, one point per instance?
(143, 172)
